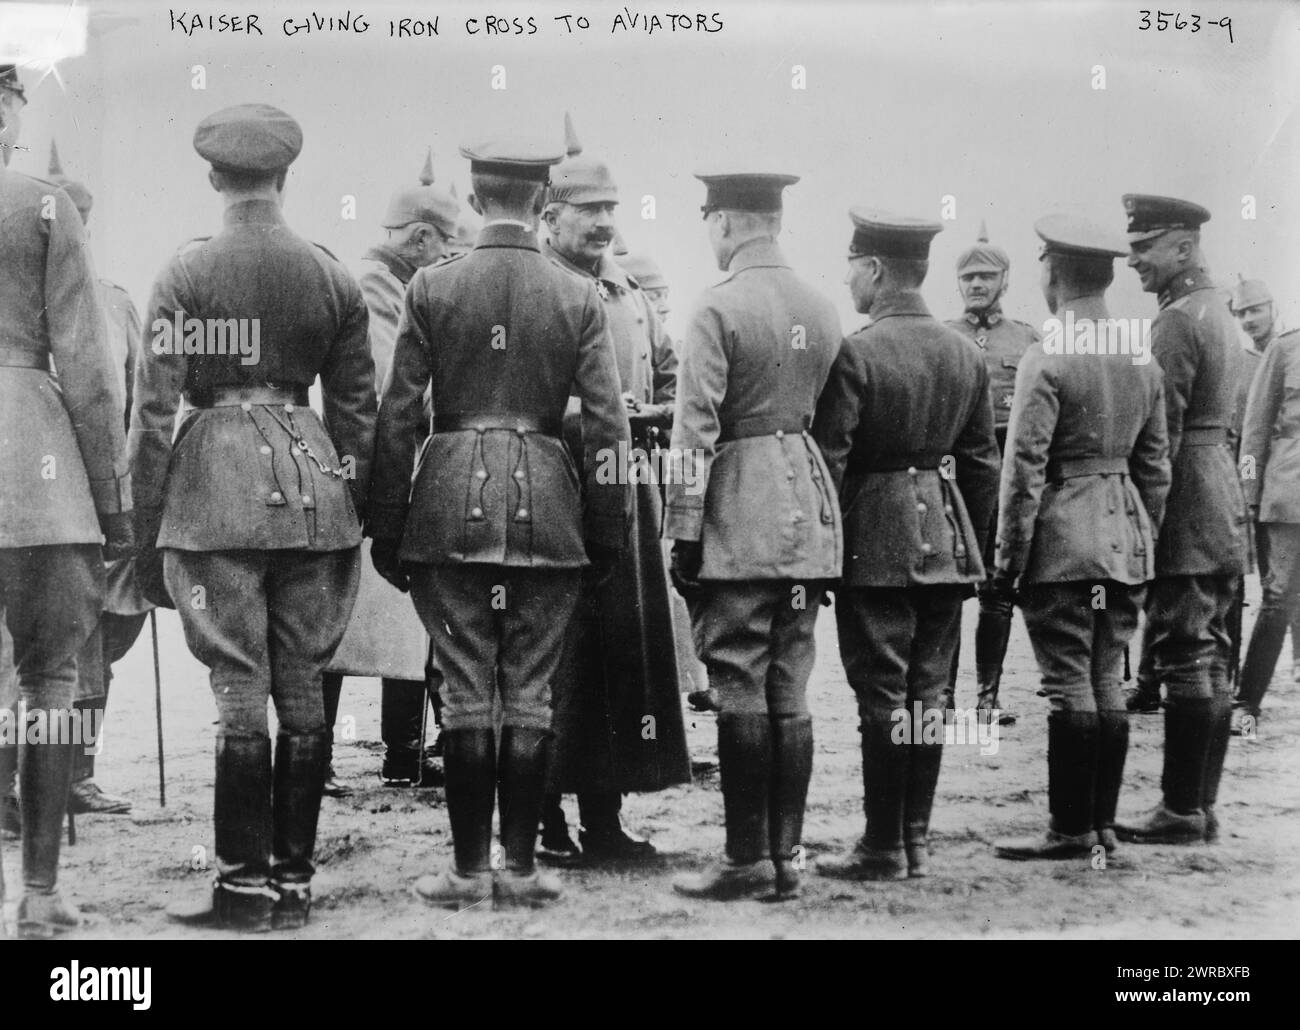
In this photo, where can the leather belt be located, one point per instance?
(1205, 436)
(920, 463)
(235, 396)
(458, 422)
(20, 357)
(763, 425)
(1074, 468)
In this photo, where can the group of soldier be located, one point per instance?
(898, 470)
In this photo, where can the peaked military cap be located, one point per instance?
(423, 203)
(9, 80)
(1077, 237)
(249, 138)
(645, 271)
(983, 256)
(583, 180)
(1248, 293)
(744, 191)
(1151, 216)
(877, 234)
(516, 157)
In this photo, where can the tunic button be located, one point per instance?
(911, 470)
(288, 409)
(276, 495)
(265, 449)
(927, 549)
(306, 498)
(780, 434)
(246, 406)
(520, 430)
(522, 513)
(789, 474)
(921, 507)
(519, 473)
(476, 513)
(796, 516)
(947, 508)
(481, 473)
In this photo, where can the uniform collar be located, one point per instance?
(246, 212)
(1092, 308)
(900, 302)
(1184, 283)
(399, 266)
(507, 234)
(760, 252)
(987, 318)
(607, 270)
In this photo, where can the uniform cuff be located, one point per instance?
(684, 523)
(111, 496)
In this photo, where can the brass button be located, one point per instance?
(911, 470)
(789, 474)
(947, 508)
(481, 473)
(476, 513)
(522, 513)
(520, 431)
(927, 548)
(246, 406)
(960, 552)
(306, 498)
(265, 449)
(276, 495)
(796, 516)
(288, 409)
(921, 507)
(519, 473)
(780, 434)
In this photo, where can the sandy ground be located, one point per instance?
(372, 846)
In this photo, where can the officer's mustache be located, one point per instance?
(600, 238)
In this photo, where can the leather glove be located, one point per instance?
(119, 535)
(1002, 587)
(684, 567)
(383, 555)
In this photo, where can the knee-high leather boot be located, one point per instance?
(1179, 818)
(745, 765)
(470, 765)
(879, 855)
(332, 691)
(992, 634)
(918, 803)
(301, 761)
(1112, 751)
(1215, 754)
(792, 761)
(241, 898)
(1072, 763)
(521, 782)
(45, 772)
(8, 767)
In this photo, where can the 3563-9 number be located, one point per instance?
(1163, 21)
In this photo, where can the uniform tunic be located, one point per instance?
(906, 425)
(755, 490)
(501, 337)
(619, 664)
(1003, 342)
(1083, 490)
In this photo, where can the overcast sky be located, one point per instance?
(992, 104)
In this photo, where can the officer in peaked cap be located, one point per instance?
(256, 510)
(64, 490)
(907, 429)
(1252, 305)
(385, 638)
(1201, 551)
(1085, 475)
(619, 663)
(501, 338)
(983, 272)
(755, 524)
